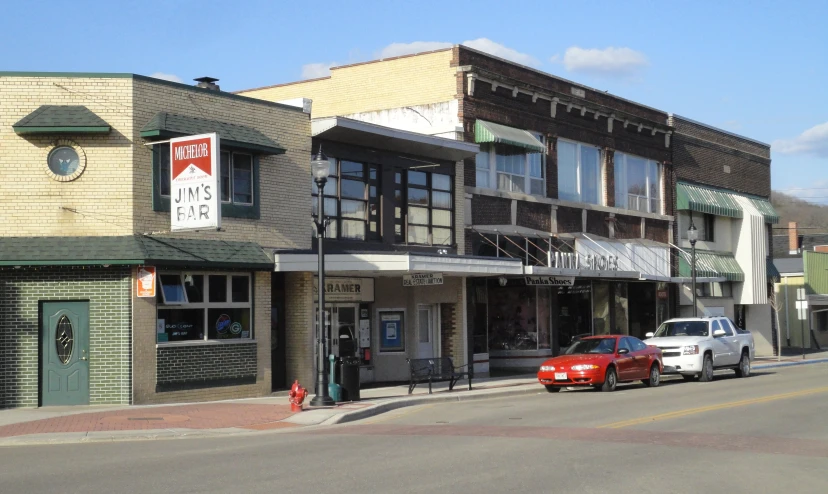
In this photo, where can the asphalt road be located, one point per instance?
(767, 433)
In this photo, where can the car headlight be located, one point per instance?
(547, 368)
(691, 350)
(583, 367)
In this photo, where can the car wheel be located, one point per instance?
(655, 377)
(552, 389)
(707, 369)
(744, 366)
(689, 377)
(610, 380)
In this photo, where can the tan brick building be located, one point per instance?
(85, 205)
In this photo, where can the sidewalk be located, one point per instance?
(54, 425)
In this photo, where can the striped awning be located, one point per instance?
(706, 200)
(712, 265)
(766, 208)
(500, 134)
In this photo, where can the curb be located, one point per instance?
(522, 389)
(789, 364)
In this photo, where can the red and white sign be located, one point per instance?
(195, 197)
(146, 281)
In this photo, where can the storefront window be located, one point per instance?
(515, 321)
(601, 308)
(225, 314)
(574, 312)
(477, 309)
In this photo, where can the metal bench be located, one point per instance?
(435, 370)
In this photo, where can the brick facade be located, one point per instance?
(534, 215)
(491, 210)
(110, 347)
(570, 220)
(190, 367)
(627, 226)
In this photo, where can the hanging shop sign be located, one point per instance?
(345, 290)
(194, 186)
(146, 282)
(576, 260)
(550, 280)
(422, 279)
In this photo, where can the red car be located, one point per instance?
(602, 362)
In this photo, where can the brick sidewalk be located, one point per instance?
(196, 416)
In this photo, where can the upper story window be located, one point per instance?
(579, 172)
(637, 183)
(705, 223)
(430, 206)
(236, 176)
(351, 200)
(511, 169)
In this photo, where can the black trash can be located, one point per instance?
(349, 378)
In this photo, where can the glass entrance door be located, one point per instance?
(426, 337)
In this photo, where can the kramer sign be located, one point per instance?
(345, 290)
(550, 280)
(422, 279)
(194, 185)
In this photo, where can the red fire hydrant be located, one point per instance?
(296, 396)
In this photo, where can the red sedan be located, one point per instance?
(602, 362)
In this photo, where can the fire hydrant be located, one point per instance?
(296, 396)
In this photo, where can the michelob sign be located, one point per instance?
(195, 197)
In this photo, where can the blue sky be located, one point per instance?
(756, 68)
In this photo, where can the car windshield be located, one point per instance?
(682, 328)
(598, 345)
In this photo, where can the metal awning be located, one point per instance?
(706, 200)
(356, 132)
(712, 265)
(691, 197)
(500, 134)
(773, 273)
(57, 119)
(396, 264)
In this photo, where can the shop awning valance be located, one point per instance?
(132, 250)
(711, 265)
(500, 134)
(691, 197)
(56, 119)
(166, 125)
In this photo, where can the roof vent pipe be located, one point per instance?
(208, 83)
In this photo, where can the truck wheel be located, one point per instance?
(610, 380)
(707, 369)
(744, 366)
(552, 389)
(655, 377)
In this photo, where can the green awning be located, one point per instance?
(166, 125)
(56, 119)
(500, 134)
(706, 200)
(712, 265)
(132, 250)
(766, 208)
(773, 273)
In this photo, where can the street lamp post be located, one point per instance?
(693, 236)
(320, 168)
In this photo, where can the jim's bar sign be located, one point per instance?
(422, 279)
(345, 289)
(550, 281)
(194, 192)
(574, 260)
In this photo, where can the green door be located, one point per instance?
(65, 353)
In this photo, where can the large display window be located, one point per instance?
(518, 316)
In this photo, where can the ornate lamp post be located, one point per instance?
(320, 169)
(693, 236)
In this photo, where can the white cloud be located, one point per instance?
(316, 70)
(813, 141)
(166, 77)
(400, 49)
(482, 44)
(610, 61)
(498, 50)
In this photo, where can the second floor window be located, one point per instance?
(351, 201)
(637, 183)
(429, 208)
(579, 172)
(236, 176)
(511, 169)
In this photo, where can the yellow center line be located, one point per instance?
(710, 408)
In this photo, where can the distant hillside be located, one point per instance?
(806, 214)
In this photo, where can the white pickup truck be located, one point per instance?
(696, 346)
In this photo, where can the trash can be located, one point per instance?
(334, 389)
(349, 378)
